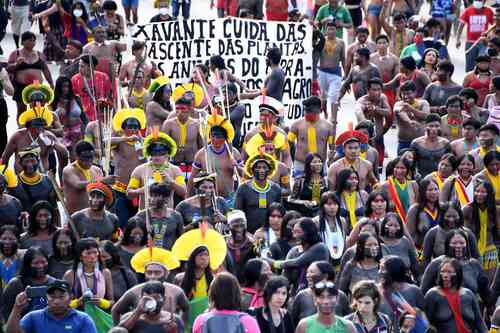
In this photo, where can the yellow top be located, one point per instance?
(10, 175)
(201, 287)
(350, 202)
(495, 182)
(483, 231)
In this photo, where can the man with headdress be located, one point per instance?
(200, 206)
(240, 247)
(351, 141)
(159, 108)
(33, 185)
(166, 224)
(155, 263)
(159, 148)
(126, 145)
(96, 221)
(311, 135)
(36, 119)
(282, 175)
(268, 131)
(91, 85)
(183, 128)
(79, 174)
(223, 159)
(255, 195)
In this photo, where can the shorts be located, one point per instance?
(130, 3)
(20, 22)
(374, 10)
(330, 86)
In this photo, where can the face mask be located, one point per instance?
(477, 4)
(38, 272)
(137, 239)
(163, 11)
(459, 252)
(371, 252)
(391, 233)
(489, 142)
(77, 13)
(108, 263)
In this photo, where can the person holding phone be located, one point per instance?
(56, 317)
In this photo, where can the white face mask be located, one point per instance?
(78, 12)
(477, 4)
(163, 11)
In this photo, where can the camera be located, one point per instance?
(36, 292)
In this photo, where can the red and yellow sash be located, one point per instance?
(397, 202)
(461, 192)
(439, 180)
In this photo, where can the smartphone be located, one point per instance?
(36, 292)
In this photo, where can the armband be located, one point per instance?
(104, 304)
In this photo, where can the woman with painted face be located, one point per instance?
(123, 277)
(397, 289)
(133, 240)
(424, 214)
(310, 249)
(491, 172)
(197, 276)
(270, 232)
(352, 198)
(89, 280)
(303, 303)
(41, 227)
(460, 187)
(255, 275)
(364, 265)
(377, 205)
(402, 192)
(446, 168)
(457, 246)
(333, 228)
(63, 257)
(431, 146)
(366, 302)
(10, 259)
(429, 62)
(307, 190)
(282, 246)
(396, 243)
(33, 273)
(450, 218)
(273, 316)
(483, 217)
(451, 307)
(365, 225)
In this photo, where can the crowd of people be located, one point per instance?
(130, 204)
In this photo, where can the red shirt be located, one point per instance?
(477, 21)
(102, 91)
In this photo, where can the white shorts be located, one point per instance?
(330, 86)
(20, 22)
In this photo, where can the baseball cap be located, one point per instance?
(58, 284)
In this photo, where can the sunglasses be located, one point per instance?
(322, 286)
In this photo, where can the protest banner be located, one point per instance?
(177, 46)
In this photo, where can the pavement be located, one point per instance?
(202, 9)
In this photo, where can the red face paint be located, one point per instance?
(311, 117)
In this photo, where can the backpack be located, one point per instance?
(223, 323)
